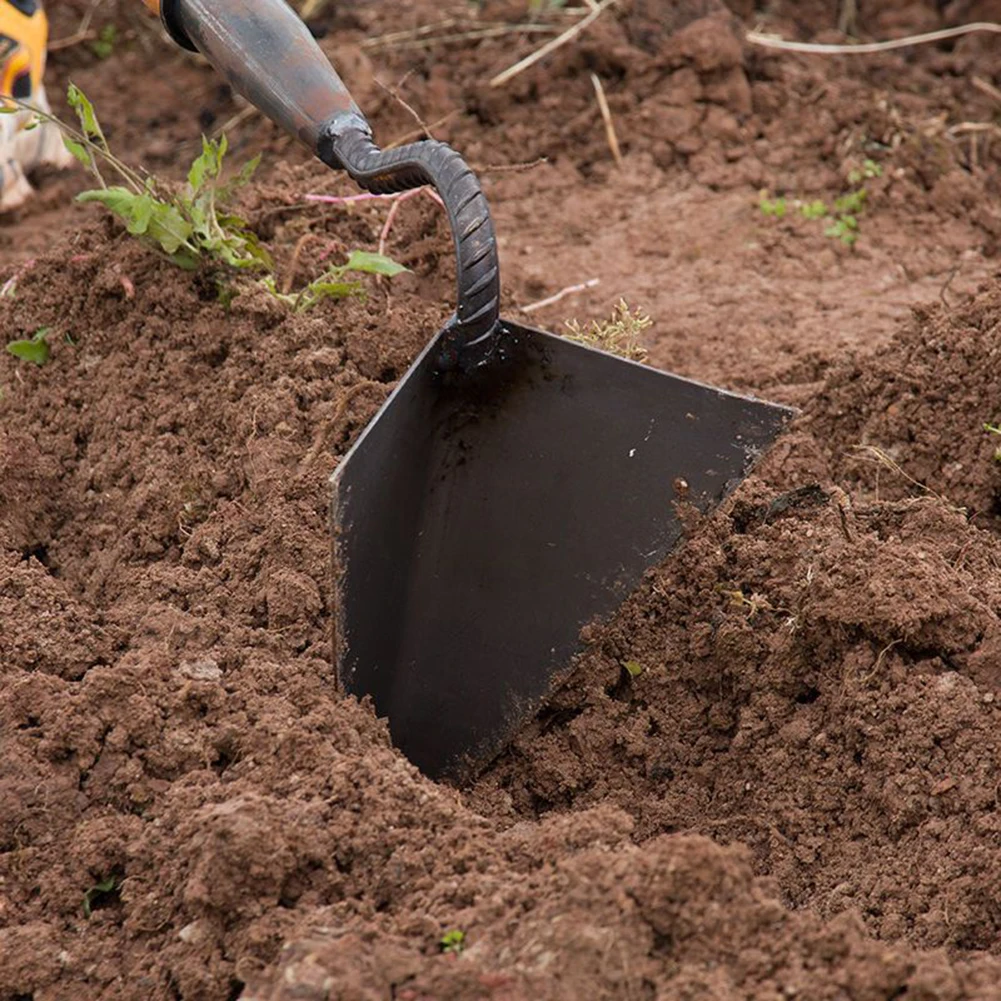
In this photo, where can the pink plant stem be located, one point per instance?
(11, 283)
(388, 225)
(346, 199)
(397, 199)
(384, 235)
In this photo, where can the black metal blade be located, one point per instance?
(481, 521)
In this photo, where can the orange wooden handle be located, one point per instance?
(153, 5)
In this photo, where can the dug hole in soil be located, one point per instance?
(794, 793)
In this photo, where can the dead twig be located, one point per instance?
(327, 431)
(400, 199)
(424, 37)
(508, 168)
(551, 46)
(82, 34)
(293, 267)
(562, 294)
(416, 134)
(396, 200)
(394, 93)
(867, 48)
(948, 281)
(986, 87)
(606, 116)
(243, 115)
(876, 455)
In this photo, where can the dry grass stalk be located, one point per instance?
(868, 48)
(606, 116)
(551, 46)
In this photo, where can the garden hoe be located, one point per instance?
(515, 486)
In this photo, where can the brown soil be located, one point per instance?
(798, 797)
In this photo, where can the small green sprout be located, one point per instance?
(333, 284)
(842, 218)
(852, 203)
(453, 941)
(634, 667)
(34, 349)
(773, 207)
(866, 172)
(813, 210)
(104, 45)
(97, 892)
(845, 229)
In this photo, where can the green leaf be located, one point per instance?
(373, 264)
(206, 165)
(36, 349)
(813, 210)
(79, 151)
(634, 667)
(104, 45)
(145, 215)
(97, 891)
(246, 173)
(168, 227)
(80, 103)
(121, 201)
(136, 211)
(453, 941)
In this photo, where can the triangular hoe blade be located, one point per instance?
(481, 521)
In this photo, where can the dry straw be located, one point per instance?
(867, 48)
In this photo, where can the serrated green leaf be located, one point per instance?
(200, 217)
(247, 171)
(243, 178)
(144, 215)
(205, 165)
(168, 227)
(134, 210)
(373, 264)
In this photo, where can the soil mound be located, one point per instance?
(817, 683)
(910, 419)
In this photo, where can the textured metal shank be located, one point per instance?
(267, 54)
(434, 163)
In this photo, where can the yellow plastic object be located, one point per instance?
(25, 142)
(24, 31)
